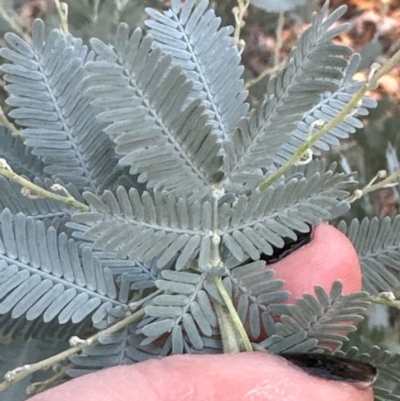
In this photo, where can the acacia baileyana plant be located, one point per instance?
(155, 202)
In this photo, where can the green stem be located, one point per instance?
(393, 303)
(229, 334)
(215, 258)
(39, 387)
(41, 192)
(18, 374)
(354, 103)
(62, 9)
(389, 181)
(233, 313)
(8, 124)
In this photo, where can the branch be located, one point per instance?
(277, 64)
(62, 9)
(11, 20)
(39, 387)
(16, 375)
(390, 181)
(34, 191)
(8, 124)
(239, 11)
(266, 72)
(371, 84)
(385, 298)
(228, 323)
(279, 41)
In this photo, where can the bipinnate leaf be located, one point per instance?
(192, 35)
(157, 134)
(316, 321)
(147, 226)
(45, 274)
(377, 245)
(46, 85)
(256, 223)
(315, 66)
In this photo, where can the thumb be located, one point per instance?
(254, 376)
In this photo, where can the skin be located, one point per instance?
(255, 376)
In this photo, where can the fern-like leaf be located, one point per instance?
(141, 99)
(111, 350)
(120, 348)
(330, 106)
(317, 321)
(254, 287)
(146, 226)
(184, 309)
(315, 66)
(130, 275)
(19, 158)
(45, 82)
(12, 199)
(256, 223)
(44, 274)
(378, 249)
(208, 54)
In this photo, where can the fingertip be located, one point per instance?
(328, 257)
(247, 376)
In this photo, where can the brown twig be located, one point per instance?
(78, 345)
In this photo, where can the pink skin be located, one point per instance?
(252, 376)
(328, 257)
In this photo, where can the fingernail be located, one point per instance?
(333, 367)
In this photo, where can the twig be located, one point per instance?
(390, 181)
(237, 323)
(229, 335)
(266, 72)
(215, 257)
(279, 41)
(385, 298)
(39, 192)
(277, 65)
(382, 20)
(38, 387)
(11, 21)
(20, 373)
(96, 5)
(354, 103)
(8, 124)
(239, 12)
(62, 9)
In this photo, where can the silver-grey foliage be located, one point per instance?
(255, 288)
(45, 83)
(317, 321)
(141, 98)
(45, 274)
(18, 156)
(331, 105)
(376, 242)
(167, 110)
(257, 222)
(147, 226)
(315, 66)
(192, 36)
